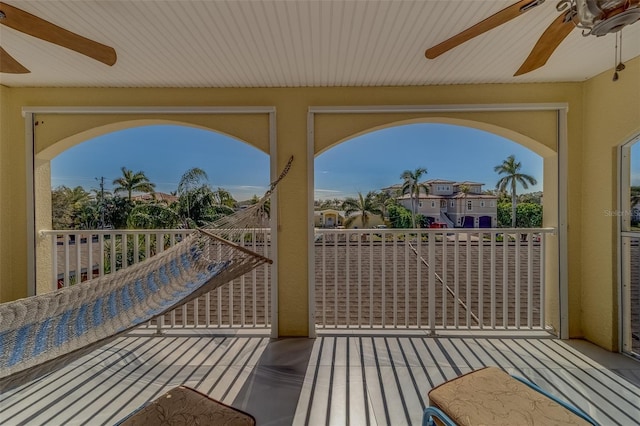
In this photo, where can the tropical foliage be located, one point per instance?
(362, 208)
(510, 168)
(197, 204)
(131, 182)
(400, 217)
(529, 215)
(411, 185)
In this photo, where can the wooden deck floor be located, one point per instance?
(376, 379)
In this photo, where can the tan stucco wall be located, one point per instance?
(292, 106)
(611, 118)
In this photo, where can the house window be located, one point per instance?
(493, 204)
(481, 203)
(451, 203)
(469, 206)
(433, 204)
(419, 203)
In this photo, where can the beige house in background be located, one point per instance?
(331, 218)
(447, 203)
(328, 218)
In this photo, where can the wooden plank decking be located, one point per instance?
(377, 379)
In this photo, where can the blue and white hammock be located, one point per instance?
(38, 334)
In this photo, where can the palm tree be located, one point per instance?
(384, 199)
(265, 210)
(224, 198)
(510, 168)
(131, 182)
(152, 216)
(366, 206)
(412, 186)
(77, 196)
(190, 180)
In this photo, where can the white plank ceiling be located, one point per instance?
(294, 43)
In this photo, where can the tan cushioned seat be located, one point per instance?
(185, 406)
(490, 396)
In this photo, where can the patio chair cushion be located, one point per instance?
(186, 406)
(490, 396)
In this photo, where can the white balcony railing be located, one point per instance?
(82, 255)
(431, 278)
(382, 278)
(630, 292)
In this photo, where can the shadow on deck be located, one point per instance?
(377, 379)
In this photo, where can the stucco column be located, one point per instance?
(293, 316)
(44, 254)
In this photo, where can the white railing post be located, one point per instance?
(432, 283)
(54, 258)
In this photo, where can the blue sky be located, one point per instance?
(164, 154)
(635, 164)
(368, 162)
(377, 159)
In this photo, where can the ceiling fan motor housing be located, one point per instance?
(602, 17)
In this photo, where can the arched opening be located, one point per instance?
(170, 161)
(233, 172)
(628, 215)
(401, 283)
(457, 177)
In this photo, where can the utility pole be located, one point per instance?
(101, 180)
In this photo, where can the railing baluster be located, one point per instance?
(254, 280)
(530, 281)
(432, 284)
(395, 279)
(125, 250)
(347, 282)
(54, 258)
(147, 246)
(196, 313)
(371, 281)
(360, 279)
(112, 254)
(505, 281)
(219, 307)
(419, 237)
(383, 261)
(101, 264)
(543, 241)
(67, 271)
(323, 245)
(207, 309)
(242, 295)
(406, 282)
(185, 316)
(90, 256)
(267, 293)
(136, 248)
(456, 282)
(468, 284)
(517, 291)
(481, 280)
(445, 283)
(494, 236)
(78, 270)
(335, 281)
